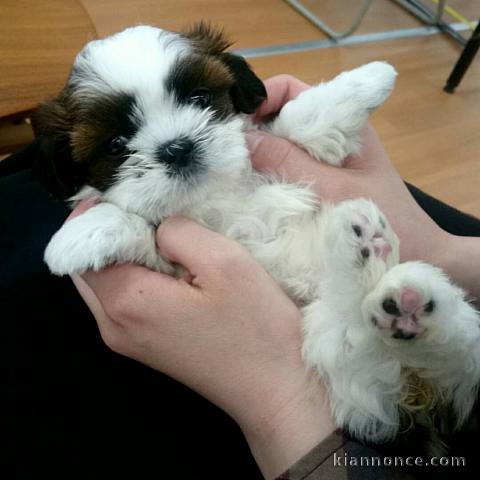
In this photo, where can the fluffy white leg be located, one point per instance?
(364, 380)
(427, 323)
(103, 235)
(327, 120)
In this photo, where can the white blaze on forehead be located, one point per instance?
(136, 59)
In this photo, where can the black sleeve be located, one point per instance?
(339, 458)
(448, 218)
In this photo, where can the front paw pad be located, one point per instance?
(403, 314)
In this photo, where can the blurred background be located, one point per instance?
(432, 136)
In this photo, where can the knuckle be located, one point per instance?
(112, 339)
(119, 308)
(172, 227)
(289, 151)
(287, 78)
(115, 344)
(229, 258)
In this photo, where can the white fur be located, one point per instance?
(328, 120)
(136, 60)
(310, 249)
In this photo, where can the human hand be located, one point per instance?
(369, 174)
(225, 330)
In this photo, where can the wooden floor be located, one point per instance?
(433, 137)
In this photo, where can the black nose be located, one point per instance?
(177, 154)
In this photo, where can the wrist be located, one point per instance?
(289, 425)
(433, 246)
(460, 259)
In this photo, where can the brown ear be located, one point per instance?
(52, 123)
(248, 91)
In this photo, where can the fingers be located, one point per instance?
(281, 157)
(280, 90)
(372, 156)
(193, 246)
(106, 326)
(120, 289)
(83, 206)
(115, 278)
(122, 295)
(118, 314)
(123, 289)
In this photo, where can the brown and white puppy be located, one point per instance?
(153, 122)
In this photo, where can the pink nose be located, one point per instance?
(381, 247)
(410, 300)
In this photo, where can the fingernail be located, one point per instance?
(254, 138)
(83, 206)
(90, 202)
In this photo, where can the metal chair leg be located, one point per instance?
(323, 26)
(468, 54)
(426, 15)
(419, 10)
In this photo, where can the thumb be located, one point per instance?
(189, 244)
(283, 158)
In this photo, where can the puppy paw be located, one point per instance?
(412, 300)
(360, 244)
(102, 236)
(328, 120)
(370, 85)
(404, 312)
(71, 251)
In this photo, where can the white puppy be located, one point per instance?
(153, 122)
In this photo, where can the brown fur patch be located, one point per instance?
(53, 117)
(210, 61)
(203, 72)
(85, 128)
(207, 38)
(94, 128)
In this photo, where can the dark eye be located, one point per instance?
(201, 97)
(117, 145)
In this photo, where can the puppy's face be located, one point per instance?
(149, 118)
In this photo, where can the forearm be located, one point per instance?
(447, 238)
(461, 260)
(291, 432)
